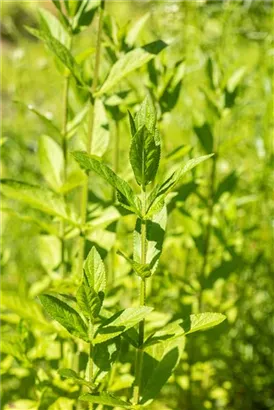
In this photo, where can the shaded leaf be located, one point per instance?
(205, 137)
(89, 163)
(65, 315)
(144, 156)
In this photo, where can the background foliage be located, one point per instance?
(218, 245)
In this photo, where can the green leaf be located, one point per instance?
(160, 375)
(36, 196)
(135, 29)
(129, 62)
(160, 362)
(65, 315)
(88, 301)
(144, 156)
(205, 137)
(157, 196)
(120, 322)
(51, 24)
(95, 271)
(104, 356)
(141, 270)
(106, 399)
(63, 54)
(202, 321)
(235, 79)
(100, 139)
(51, 161)
(71, 374)
(84, 15)
(72, 6)
(146, 116)
(89, 163)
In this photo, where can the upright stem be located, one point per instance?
(65, 153)
(139, 351)
(84, 194)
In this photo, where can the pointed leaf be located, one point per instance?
(50, 23)
(135, 29)
(95, 271)
(202, 321)
(89, 163)
(144, 157)
(71, 374)
(88, 301)
(65, 315)
(129, 62)
(146, 116)
(63, 54)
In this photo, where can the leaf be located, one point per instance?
(88, 301)
(50, 23)
(72, 7)
(205, 137)
(144, 156)
(159, 193)
(141, 270)
(89, 163)
(202, 321)
(84, 15)
(76, 121)
(159, 363)
(135, 29)
(228, 184)
(120, 322)
(65, 315)
(235, 79)
(104, 356)
(100, 139)
(36, 196)
(51, 162)
(160, 375)
(146, 117)
(129, 62)
(71, 374)
(63, 54)
(95, 271)
(106, 399)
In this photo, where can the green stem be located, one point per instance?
(139, 351)
(84, 194)
(90, 357)
(65, 154)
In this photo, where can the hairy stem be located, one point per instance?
(139, 351)
(84, 193)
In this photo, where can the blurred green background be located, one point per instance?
(230, 367)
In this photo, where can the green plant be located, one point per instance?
(115, 244)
